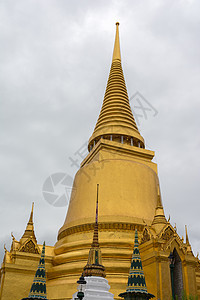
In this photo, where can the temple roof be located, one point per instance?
(116, 117)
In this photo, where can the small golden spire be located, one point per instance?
(189, 248)
(94, 265)
(159, 220)
(29, 231)
(116, 51)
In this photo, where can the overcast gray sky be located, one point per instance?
(55, 57)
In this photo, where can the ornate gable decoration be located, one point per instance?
(167, 234)
(176, 240)
(145, 236)
(30, 247)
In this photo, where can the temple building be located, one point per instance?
(130, 199)
(21, 262)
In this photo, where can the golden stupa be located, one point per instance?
(129, 198)
(129, 186)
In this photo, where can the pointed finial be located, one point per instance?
(189, 248)
(175, 227)
(198, 255)
(31, 215)
(168, 219)
(186, 235)
(5, 248)
(116, 52)
(13, 238)
(43, 250)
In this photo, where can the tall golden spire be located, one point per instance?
(29, 231)
(116, 121)
(94, 265)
